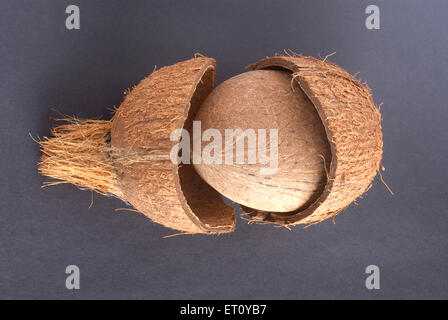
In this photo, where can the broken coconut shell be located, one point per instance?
(353, 126)
(174, 196)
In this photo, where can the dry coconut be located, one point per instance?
(329, 150)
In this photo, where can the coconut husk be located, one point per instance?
(353, 127)
(174, 196)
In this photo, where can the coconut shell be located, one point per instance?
(353, 127)
(174, 196)
(267, 99)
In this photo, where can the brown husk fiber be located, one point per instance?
(353, 126)
(77, 154)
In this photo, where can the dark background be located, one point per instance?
(122, 254)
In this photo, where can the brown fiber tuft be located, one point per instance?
(77, 154)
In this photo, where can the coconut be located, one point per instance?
(129, 156)
(264, 100)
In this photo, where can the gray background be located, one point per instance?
(122, 254)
